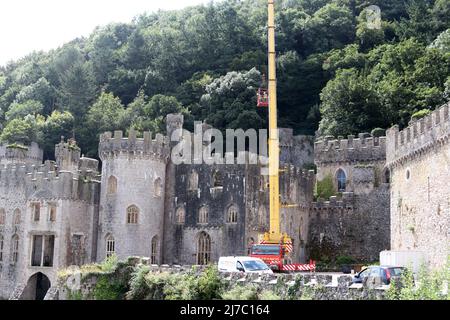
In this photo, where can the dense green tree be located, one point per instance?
(77, 90)
(196, 61)
(227, 97)
(332, 26)
(51, 130)
(350, 104)
(22, 131)
(21, 110)
(41, 91)
(442, 42)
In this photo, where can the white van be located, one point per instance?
(243, 264)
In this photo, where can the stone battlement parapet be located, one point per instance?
(112, 144)
(365, 148)
(419, 137)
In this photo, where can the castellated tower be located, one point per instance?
(48, 217)
(14, 154)
(132, 196)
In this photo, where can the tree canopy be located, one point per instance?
(336, 74)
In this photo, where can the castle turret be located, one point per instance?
(133, 192)
(18, 154)
(67, 155)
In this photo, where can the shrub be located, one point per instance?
(378, 132)
(429, 285)
(343, 260)
(420, 114)
(109, 264)
(138, 288)
(325, 188)
(209, 284)
(242, 292)
(109, 289)
(269, 295)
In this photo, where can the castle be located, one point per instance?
(66, 212)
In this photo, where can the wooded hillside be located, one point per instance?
(335, 74)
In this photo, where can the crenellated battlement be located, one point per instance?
(46, 181)
(113, 144)
(21, 154)
(364, 148)
(347, 201)
(419, 137)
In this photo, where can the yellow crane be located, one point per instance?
(274, 246)
(274, 235)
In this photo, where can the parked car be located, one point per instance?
(243, 264)
(378, 275)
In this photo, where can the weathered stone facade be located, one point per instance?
(355, 222)
(145, 205)
(48, 217)
(418, 159)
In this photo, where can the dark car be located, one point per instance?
(378, 275)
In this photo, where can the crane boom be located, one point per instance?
(274, 247)
(274, 234)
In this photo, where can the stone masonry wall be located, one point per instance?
(419, 160)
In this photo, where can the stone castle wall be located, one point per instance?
(356, 226)
(138, 168)
(31, 154)
(418, 158)
(73, 194)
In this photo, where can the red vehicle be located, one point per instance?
(276, 256)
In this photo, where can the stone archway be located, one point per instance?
(37, 287)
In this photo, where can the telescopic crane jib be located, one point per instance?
(274, 247)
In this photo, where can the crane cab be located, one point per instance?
(262, 98)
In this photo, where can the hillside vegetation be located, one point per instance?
(334, 73)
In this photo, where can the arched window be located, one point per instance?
(387, 176)
(341, 180)
(155, 244)
(158, 187)
(110, 246)
(2, 245)
(232, 214)
(52, 212)
(132, 214)
(14, 249)
(203, 249)
(193, 180)
(180, 215)
(217, 179)
(2, 217)
(203, 214)
(112, 185)
(16, 217)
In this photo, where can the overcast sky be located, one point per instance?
(29, 25)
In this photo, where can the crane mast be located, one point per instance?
(274, 247)
(274, 235)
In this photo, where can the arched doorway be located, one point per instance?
(37, 287)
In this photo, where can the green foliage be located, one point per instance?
(324, 189)
(344, 260)
(206, 62)
(210, 284)
(378, 132)
(22, 131)
(21, 110)
(420, 114)
(244, 292)
(107, 288)
(110, 264)
(428, 286)
(17, 146)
